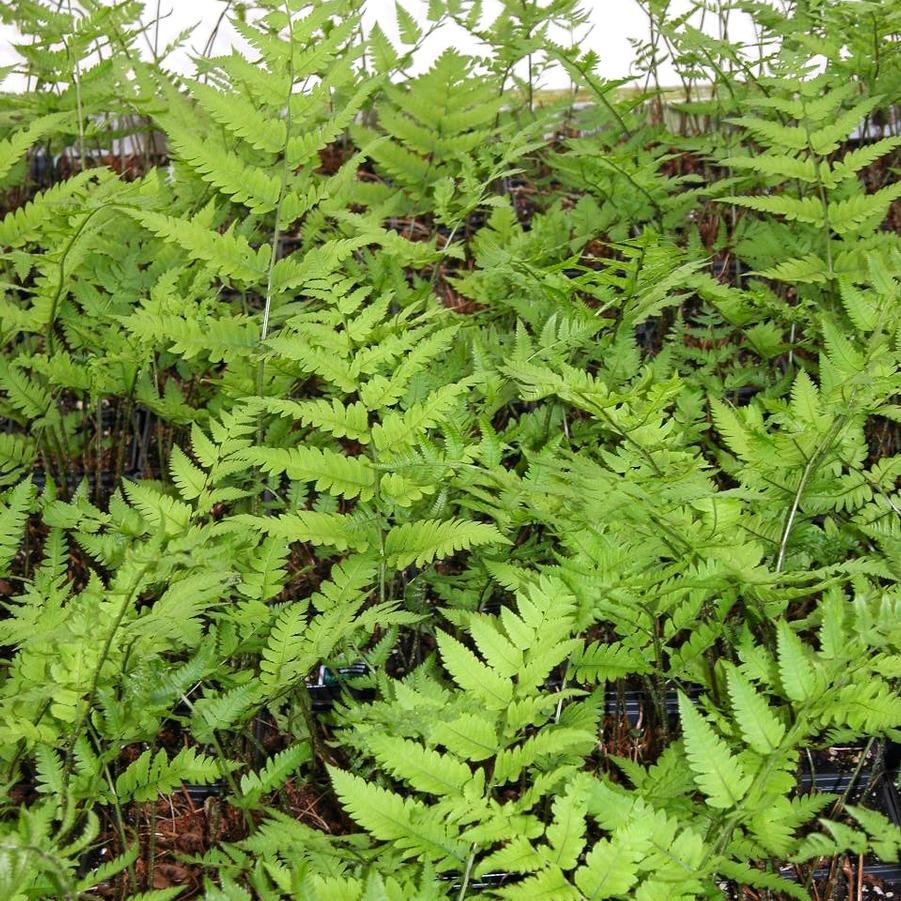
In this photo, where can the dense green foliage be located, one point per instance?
(519, 401)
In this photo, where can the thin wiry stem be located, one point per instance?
(76, 76)
(127, 599)
(276, 229)
(809, 469)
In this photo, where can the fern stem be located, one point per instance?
(98, 448)
(855, 776)
(467, 875)
(809, 469)
(283, 187)
(54, 303)
(276, 236)
(824, 203)
(125, 424)
(127, 599)
(57, 457)
(76, 75)
(230, 779)
(306, 711)
(624, 434)
(14, 760)
(656, 683)
(597, 90)
(117, 809)
(383, 569)
(658, 211)
(827, 228)
(559, 710)
(151, 847)
(225, 768)
(837, 809)
(211, 40)
(726, 824)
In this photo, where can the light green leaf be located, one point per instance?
(717, 773)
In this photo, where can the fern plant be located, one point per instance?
(827, 218)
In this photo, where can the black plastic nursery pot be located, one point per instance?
(198, 794)
(882, 880)
(636, 706)
(107, 482)
(328, 686)
(870, 878)
(833, 770)
(483, 883)
(857, 773)
(870, 781)
(848, 768)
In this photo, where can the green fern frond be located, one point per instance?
(796, 671)
(215, 713)
(225, 170)
(611, 866)
(15, 147)
(281, 658)
(760, 727)
(599, 662)
(229, 254)
(469, 736)
(274, 774)
(332, 471)
(425, 540)
(566, 833)
(338, 530)
(17, 455)
(152, 775)
(405, 822)
(471, 674)
(717, 773)
(397, 431)
(422, 768)
(553, 742)
(342, 420)
(241, 117)
(14, 512)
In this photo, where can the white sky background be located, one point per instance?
(613, 23)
